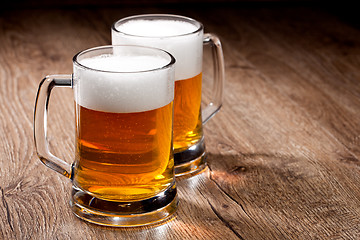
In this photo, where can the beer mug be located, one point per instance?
(184, 38)
(123, 173)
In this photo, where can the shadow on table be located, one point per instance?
(255, 163)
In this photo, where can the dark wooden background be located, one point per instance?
(284, 150)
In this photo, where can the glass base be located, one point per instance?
(124, 214)
(190, 161)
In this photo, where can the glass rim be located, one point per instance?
(76, 61)
(199, 25)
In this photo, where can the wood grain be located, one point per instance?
(283, 151)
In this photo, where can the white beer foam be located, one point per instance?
(118, 63)
(123, 84)
(170, 35)
(157, 28)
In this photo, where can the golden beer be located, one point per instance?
(123, 171)
(184, 38)
(187, 113)
(124, 156)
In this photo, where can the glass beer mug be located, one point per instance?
(184, 38)
(123, 173)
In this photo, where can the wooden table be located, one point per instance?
(283, 152)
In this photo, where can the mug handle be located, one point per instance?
(219, 77)
(40, 123)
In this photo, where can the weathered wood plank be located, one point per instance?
(283, 151)
(291, 130)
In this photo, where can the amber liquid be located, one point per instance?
(187, 113)
(124, 156)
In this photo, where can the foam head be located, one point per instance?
(124, 81)
(180, 36)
